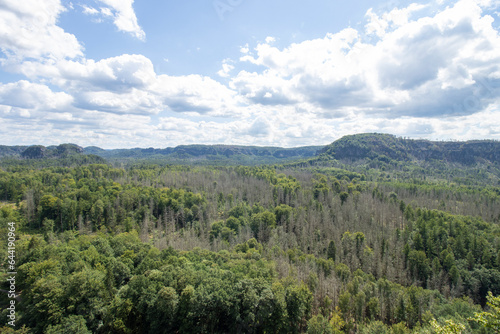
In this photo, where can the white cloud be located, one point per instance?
(28, 29)
(31, 96)
(115, 74)
(196, 93)
(376, 24)
(419, 66)
(106, 11)
(258, 131)
(129, 84)
(393, 19)
(260, 127)
(226, 68)
(123, 15)
(88, 128)
(245, 49)
(89, 10)
(270, 39)
(254, 87)
(138, 102)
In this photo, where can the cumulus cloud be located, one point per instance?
(122, 14)
(418, 66)
(264, 88)
(244, 49)
(28, 29)
(260, 127)
(128, 84)
(258, 131)
(177, 131)
(395, 18)
(270, 39)
(197, 93)
(27, 95)
(226, 68)
(115, 74)
(138, 102)
(88, 128)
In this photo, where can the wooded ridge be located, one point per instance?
(383, 147)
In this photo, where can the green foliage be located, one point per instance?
(283, 214)
(199, 291)
(343, 197)
(262, 221)
(319, 325)
(266, 249)
(10, 330)
(375, 327)
(332, 250)
(74, 324)
(491, 318)
(449, 328)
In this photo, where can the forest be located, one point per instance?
(371, 234)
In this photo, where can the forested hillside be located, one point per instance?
(381, 146)
(183, 154)
(376, 234)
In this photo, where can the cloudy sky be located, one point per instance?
(149, 73)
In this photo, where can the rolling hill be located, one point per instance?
(387, 147)
(351, 149)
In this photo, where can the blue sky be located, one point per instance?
(149, 73)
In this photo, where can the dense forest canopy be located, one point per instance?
(371, 234)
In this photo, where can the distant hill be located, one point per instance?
(225, 154)
(39, 151)
(348, 149)
(64, 154)
(231, 153)
(60, 151)
(11, 151)
(385, 147)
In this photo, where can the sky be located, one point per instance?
(151, 73)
